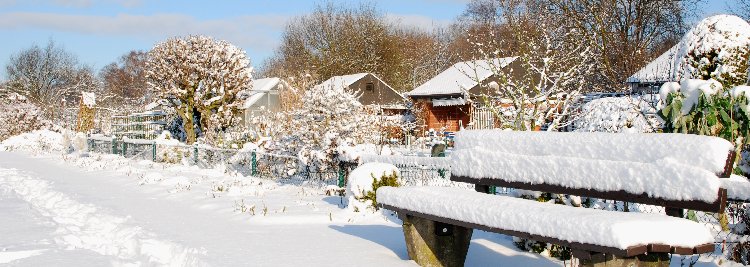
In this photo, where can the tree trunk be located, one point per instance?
(187, 121)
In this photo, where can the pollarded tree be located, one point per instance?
(205, 78)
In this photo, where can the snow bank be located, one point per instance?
(738, 187)
(705, 152)
(590, 226)
(39, 140)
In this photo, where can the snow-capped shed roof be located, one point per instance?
(265, 84)
(261, 87)
(715, 32)
(343, 81)
(461, 77)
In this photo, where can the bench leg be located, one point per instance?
(431, 243)
(646, 260)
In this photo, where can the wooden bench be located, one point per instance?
(671, 170)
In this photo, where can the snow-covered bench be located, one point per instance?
(672, 170)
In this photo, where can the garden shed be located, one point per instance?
(449, 100)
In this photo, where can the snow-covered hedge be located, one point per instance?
(18, 115)
(36, 141)
(617, 115)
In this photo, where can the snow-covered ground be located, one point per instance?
(106, 210)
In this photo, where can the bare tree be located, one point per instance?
(49, 77)
(338, 40)
(125, 80)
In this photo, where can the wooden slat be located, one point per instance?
(683, 250)
(716, 206)
(659, 248)
(704, 249)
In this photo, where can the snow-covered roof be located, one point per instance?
(720, 31)
(444, 102)
(265, 84)
(460, 77)
(343, 81)
(250, 101)
(261, 87)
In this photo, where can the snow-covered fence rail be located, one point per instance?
(629, 168)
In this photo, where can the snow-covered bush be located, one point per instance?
(617, 115)
(717, 48)
(364, 181)
(18, 115)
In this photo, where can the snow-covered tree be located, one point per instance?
(552, 70)
(205, 78)
(327, 118)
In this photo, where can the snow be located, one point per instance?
(590, 226)
(693, 88)
(742, 90)
(706, 152)
(738, 187)
(250, 101)
(460, 77)
(662, 179)
(448, 102)
(666, 89)
(89, 99)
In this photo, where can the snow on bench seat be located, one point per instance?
(704, 152)
(738, 188)
(619, 233)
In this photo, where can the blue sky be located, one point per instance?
(100, 31)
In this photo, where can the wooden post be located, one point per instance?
(431, 243)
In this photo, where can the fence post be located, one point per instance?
(195, 153)
(124, 150)
(342, 174)
(114, 145)
(153, 151)
(253, 163)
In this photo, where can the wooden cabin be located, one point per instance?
(450, 101)
(370, 91)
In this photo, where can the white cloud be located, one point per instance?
(256, 32)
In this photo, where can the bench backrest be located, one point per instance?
(675, 170)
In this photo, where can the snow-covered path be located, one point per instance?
(135, 224)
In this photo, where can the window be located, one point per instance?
(369, 87)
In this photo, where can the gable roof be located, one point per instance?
(461, 77)
(343, 81)
(261, 87)
(715, 32)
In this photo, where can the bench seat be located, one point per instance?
(617, 233)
